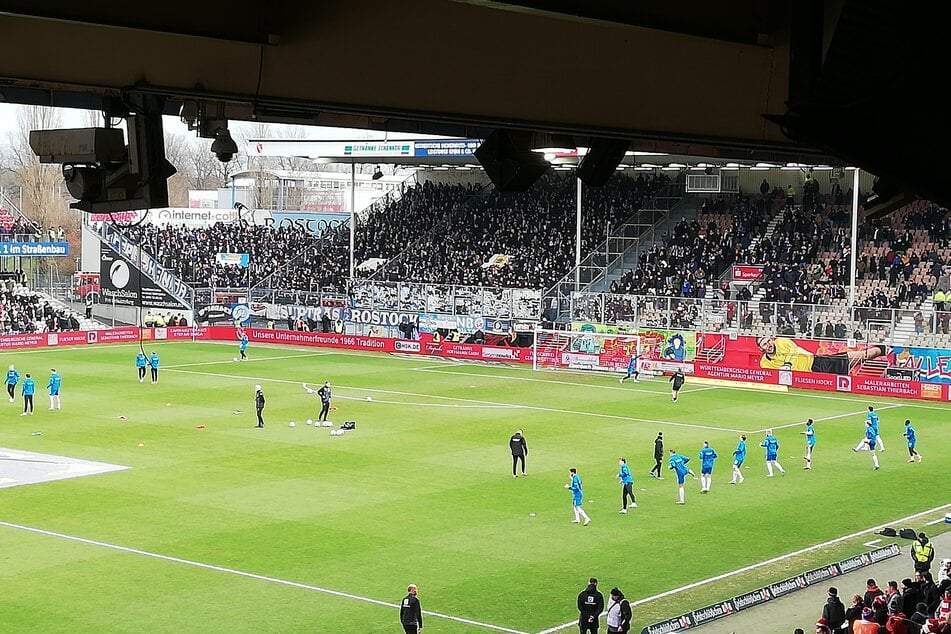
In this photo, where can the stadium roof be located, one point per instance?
(773, 82)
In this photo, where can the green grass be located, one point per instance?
(421, 492)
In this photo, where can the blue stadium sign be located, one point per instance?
(34, 249)
(447, 148)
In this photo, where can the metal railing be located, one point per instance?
(890, 326)
(640, 228)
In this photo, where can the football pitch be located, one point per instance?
(228, 528)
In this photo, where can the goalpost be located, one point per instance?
(577, 350)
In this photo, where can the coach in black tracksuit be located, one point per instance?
(590, 607)
(658, 454)
(259, 404)
(411, 615)
(519, 451)
(324, 394)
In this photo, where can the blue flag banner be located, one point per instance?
(34, 249)
(235, 259)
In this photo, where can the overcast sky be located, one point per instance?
(73, 118)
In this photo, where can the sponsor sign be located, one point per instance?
(118, 279)
(747, 272)
(315, 222)
(903, 374)
(34, 249)
(191, 217)
(712, 613)
(774, 591)
(787, 586)
(379, 149)
(500, 354)
(821, 574)
(406, 346)
(931, 391)
(843, 383)
(121, 283)
(885, 387)
(466, 324)
(751, 599)
(233, 259)
(669, 626)
(438, 148)
(162, 289)
(122, 217)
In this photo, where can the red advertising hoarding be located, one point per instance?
(797, 363)
(747, 272)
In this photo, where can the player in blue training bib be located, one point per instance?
(810, 435)
(140, 363)
(739, 456)
(678, 464)
(154, 366)
(577, 497)
(13, 377)
(707, 457)
(771, 444)
(55, 382)
(912, 438)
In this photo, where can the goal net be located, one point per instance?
(584, 350)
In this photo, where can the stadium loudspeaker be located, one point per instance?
(509, 162)
(601, 161)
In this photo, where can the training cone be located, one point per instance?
(200, 427)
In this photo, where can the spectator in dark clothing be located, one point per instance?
(854, 611)
(871, 591)
(590, 607)
(834, 611)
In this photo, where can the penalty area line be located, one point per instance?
(225, 361)
(536, 408)
(251, 575)
(821, 420)
(760, 564)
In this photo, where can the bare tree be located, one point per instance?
(44, 199)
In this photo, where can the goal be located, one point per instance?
(583, 350)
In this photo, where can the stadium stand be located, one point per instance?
(434, 233)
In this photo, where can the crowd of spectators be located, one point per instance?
(23, 230)
(291, 256)
(447, 234)
(24, 311)
(436, 233)
(919, 605)
(698, 251)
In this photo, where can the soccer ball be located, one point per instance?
(310, 391)
(327, 423)
(340, 432)
(333, 432)
(292, 424)
(369, 398)
(310, 422)
(234, 358)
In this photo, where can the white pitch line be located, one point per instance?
(251, 575)
(456, 405)
(819, 420)
(767, 562)
(479, 402)
(940, 520)
(229, 362)
(572, 383)
(871, 543)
